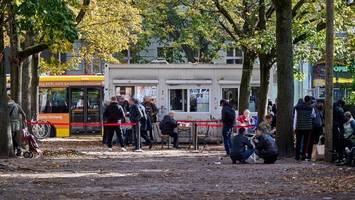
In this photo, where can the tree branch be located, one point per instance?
(229, 18)
(82, 11)
(320, 26)
(228, 31)
(298, 5)
(32, 50)
(270, 11)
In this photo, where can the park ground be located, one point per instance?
(83, 169)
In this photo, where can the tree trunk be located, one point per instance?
(6, 147)
(265, 68)
(34, 89)
(248, 64)
(16, 66)
(285, 85)
(329, 80)
(26, 80)
(189, 53)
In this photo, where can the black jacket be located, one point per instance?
(228, 115)
(167, 125)
(266, 146)
(134, 113)
(113, 113)
(151, 110)
(338, 117)
(239, 144)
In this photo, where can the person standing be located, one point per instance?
(302, 124)
(135, 116)
(17, 119)
(318, 121)
(338, 129)
(114, 114)
(144, 124)
(104, 136)
(152, 111)
(228, 120)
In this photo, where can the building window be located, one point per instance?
(189, 100)
(231, 94)
(234, 56)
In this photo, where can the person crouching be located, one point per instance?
(265, 147)
(241, 148)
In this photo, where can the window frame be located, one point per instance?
(235, 57)
(188, 88)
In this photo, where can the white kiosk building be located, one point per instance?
(193, 91)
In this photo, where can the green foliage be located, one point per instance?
(181, 25)
(53, 22)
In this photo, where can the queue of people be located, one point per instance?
(142, 116)
(309, 123)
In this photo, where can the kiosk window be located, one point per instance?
(189, 100)
(178, 100)
(199, 100)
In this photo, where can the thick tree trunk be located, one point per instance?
(6, 147)
(329, 80)
(26, 84)
(265, 68)
(34, 86)
(285, 85)
(16, 66)
(248, 64)
(26, 80)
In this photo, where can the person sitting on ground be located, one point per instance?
(265, 126)
(245, 119)
(167, 127)
(265, 147)
(241, 148)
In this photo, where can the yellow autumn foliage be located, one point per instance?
(109, 26)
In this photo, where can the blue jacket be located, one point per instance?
(266, 146)
(240, 144)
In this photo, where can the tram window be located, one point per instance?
(53, 100)
(231, 94)
(178, 100)
(199, 100)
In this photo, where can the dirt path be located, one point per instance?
(83, 169)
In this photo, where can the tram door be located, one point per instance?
(85, 110)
